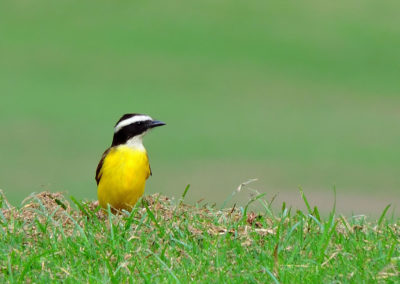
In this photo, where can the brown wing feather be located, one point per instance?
(98, 175)
(151, 173)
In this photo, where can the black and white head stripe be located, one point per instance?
(133, 125)
(128, 119)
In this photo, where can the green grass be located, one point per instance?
(290, 93)
(161, 240)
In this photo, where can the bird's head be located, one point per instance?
(131, 128)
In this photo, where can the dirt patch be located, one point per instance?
(44, 211)
(50, 213)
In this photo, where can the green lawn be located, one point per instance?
(292, 94)
(51, 240)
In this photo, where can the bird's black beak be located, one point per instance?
(156, 123)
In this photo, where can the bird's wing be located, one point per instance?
(100, 165)
(150, 172)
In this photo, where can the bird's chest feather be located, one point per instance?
(125, 169)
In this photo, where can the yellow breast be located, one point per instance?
(123, 177)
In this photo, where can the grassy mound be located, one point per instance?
(49, 238)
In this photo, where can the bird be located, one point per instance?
(124, 167)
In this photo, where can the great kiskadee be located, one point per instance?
(124, 167)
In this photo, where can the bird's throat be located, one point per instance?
(136, 143)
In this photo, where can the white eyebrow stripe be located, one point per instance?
(131, 120)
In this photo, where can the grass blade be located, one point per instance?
(184, 194)
(303, 196)
(153, 218)
(271, 275)
(383, 214)
(165, 266)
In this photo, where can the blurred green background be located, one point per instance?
(291, 93)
